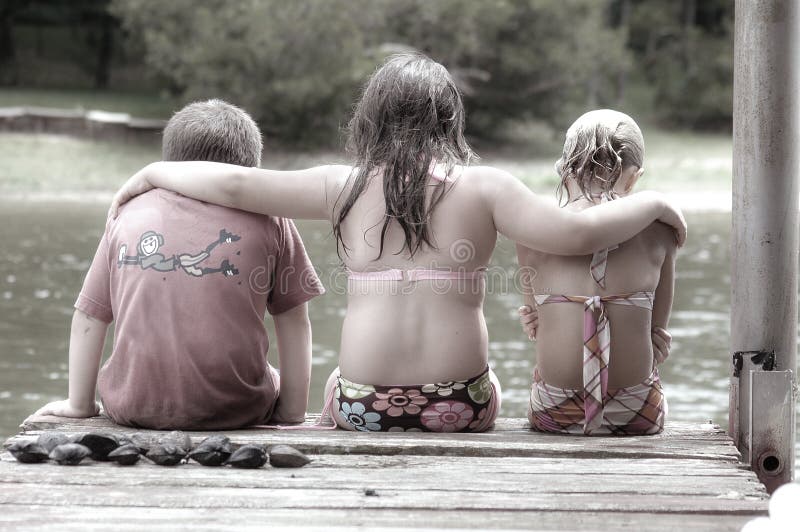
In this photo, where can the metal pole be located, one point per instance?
(764, 254)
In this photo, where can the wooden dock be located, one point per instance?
(510, 478)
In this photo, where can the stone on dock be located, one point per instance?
(286, 456)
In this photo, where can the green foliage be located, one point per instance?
(685, 51)
(294, 65)
(518, 59)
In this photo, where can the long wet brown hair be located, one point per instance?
(409, 117)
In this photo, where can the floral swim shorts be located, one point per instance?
(457, 406)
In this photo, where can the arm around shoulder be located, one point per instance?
(540, 224)
(290, 194)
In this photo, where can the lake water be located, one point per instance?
(47, 247)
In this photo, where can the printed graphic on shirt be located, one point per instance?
(148, 258)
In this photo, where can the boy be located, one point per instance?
(187, 285)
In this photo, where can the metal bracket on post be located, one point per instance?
(745, 362)
(733, 411)
(772, 426)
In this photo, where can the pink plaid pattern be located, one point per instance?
(597, 348)
(597, 268)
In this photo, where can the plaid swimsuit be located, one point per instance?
(594, 409)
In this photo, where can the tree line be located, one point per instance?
(297, 66)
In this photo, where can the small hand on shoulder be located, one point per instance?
(134, 186)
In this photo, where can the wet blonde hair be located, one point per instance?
(598, 146)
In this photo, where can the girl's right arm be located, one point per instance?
(540, 224)
(309, 194)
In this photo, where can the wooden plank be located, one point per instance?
(423, 464)
(460, 476)
(511, 438)
(58, 518)
(387, 497)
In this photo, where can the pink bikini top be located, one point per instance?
(393, 274)
(415, 275)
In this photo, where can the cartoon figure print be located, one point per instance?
(147, 258)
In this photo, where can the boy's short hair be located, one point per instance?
(212, 130)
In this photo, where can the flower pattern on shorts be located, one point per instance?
(356, 415)
(397, 401)
(444, 388)
(447, 416)
(355, 391)
(479, 419)
(480, 390)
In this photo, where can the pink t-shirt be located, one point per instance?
(187, 285)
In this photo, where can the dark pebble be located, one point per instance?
(213, 451)
(250, 456)
(125, 455)
(28, 452)
(166, 454)
(286, 456)
(70, 453)
(99, 443)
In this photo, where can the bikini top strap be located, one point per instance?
(416, 275)
(599, 263)
(636, 299)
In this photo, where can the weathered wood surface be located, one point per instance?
(511, 437)
(509, 478)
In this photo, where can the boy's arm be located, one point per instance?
(539, 224)
(662, 306)
(309, 194)
(293, 330)
(85, 351)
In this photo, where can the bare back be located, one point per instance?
(635, 266)
(411, 332)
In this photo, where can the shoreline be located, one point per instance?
(704, 201)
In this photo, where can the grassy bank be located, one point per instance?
(684, 162)
(138, 104)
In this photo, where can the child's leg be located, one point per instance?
(329, 400)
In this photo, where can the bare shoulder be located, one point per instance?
(488, 182)
(661, 235)
(484, 174)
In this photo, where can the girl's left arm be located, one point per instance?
(309, 194)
